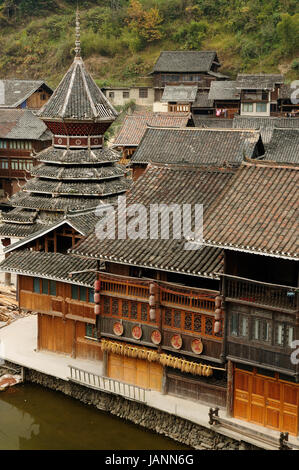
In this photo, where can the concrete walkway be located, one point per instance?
(18, 343)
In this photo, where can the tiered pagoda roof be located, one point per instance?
(76, 174)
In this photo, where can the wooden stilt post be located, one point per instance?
(230, 387)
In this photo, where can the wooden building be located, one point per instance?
(22, 134)
(259, 94)
(24, 94)
(158, 303)
(260, 292)
(66, 318)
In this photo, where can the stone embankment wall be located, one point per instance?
(176, 428)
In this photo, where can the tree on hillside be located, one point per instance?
(144, 23)
(288, 32)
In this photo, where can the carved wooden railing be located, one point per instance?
(179, 108)
(124, 288)
(187, 299)
(273, 295)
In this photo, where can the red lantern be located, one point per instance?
(152, 301)
(97, 298)
(152, 289)
(97, 309)
(218, 302)
(97, 286)
(218, 314)
(152, 314)
(217, 327)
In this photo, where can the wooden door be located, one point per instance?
(272, 403)
(290, 408)
(115, 367)
(155, 376)
(266, 401)
(257, 409)
(241, 394)
(138, 372)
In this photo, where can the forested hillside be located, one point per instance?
(121, 39)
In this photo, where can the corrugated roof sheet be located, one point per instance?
(197, 146)
(165, 185)
(135, 125)
(257, 212)
(185, 61)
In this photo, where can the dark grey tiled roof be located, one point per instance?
(264, 124)
(197, 146)
(81, 173)
(17, 91)
(165, 185)
(284, 146)
(57, 204)
(185, 61)
(258, 81)
(54, 266)
(79, 188)
(202, 101)
(78, 157)
(22, 124)
(224, 90)
(84, 223)
(19, 216)
(180, 93)
(78, 97)
(212, 123)
(19, 230)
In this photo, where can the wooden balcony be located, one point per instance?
(273, 296)
(179, 108)
(170, 295)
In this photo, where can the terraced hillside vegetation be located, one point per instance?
(121, 39)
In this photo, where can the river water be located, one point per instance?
(35, 418)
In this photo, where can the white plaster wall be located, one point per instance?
(159, 107)
(119, 100)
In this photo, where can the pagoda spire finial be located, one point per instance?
(78, 41)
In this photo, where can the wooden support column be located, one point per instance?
(230, 389)
(105, 363)
(164, 382)
(74, 339)
(6, 242)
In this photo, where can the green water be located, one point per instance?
(34, 418)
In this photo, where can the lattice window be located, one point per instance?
(177, 319)
(107, 306)
(143, 312)
(134, 310)
(168, 317)
(125, 308)
(209, 326)
(114, 306)
(188, 321)
(197, 323)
